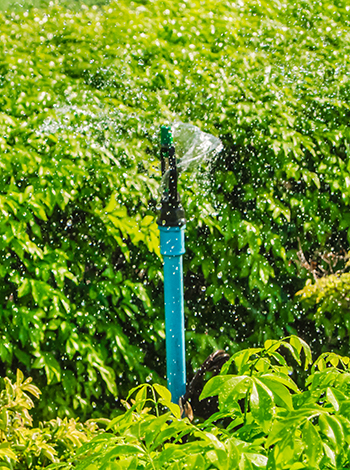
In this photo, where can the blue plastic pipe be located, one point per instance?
(172, 247)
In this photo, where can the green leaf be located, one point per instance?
(229, 388)
(258, 460)
(121, 450)
(7, 452)
(285, 427)
(174, 452)
(173, 407)
(154, 427)
(52, 368)
(241, 360)
(281, 394)
(299, 345)
(24, 288)
(271, 345)
(333, 429)
(108, 375)
(163, 392)
(313, 448)
(177, 428)
(331, 397)
(133, 390)
(140, 398)
(283, 379)
(194, 462)
(245, 463)
(261, 404)
(330, 454)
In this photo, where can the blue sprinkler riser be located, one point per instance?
(172, 247)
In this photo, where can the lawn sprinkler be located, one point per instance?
(195, 147)
(172, 223)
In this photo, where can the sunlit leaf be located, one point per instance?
(262, 404)
(313, 444)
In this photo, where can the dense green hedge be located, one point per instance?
(20, 5)
(82, 95)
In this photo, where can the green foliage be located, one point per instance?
(18, 5)
(23, 446)
(82, 96)
(78, 243)
(265, 420)
(330, 295)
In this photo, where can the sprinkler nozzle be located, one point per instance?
(172, 213)
(166, 137)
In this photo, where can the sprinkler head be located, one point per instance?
(172, 213)
(166, 137)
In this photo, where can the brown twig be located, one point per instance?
(329, 257)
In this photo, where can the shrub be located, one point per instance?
(265, 420)
(327, 301)
(23, 446)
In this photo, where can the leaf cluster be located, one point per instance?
(23, 446)
(265, 420)
(327, 299)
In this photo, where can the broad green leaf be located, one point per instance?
(272, 345)
(283, 379)
(285, 427)
(299, 345)
(245, 463)
(281, 361)
(287, 452)
(281, 394)
(6, 452)
(330, 454)
(194, 462)
(312, 444)
(121, 450)
(258, 460)
(163, 392)
(215, 385)
(333, 429)
(233, 453)
(173, 407)
(177, 428)
(154, 427)
(141, 398)
(228, 387)
(331, 397)
(261, 404)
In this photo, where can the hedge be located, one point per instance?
(83, 93)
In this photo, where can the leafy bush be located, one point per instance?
(82, 96)
(18, 5)
(23, 446)
(78, 241)
(329, 295)
(265, 420)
